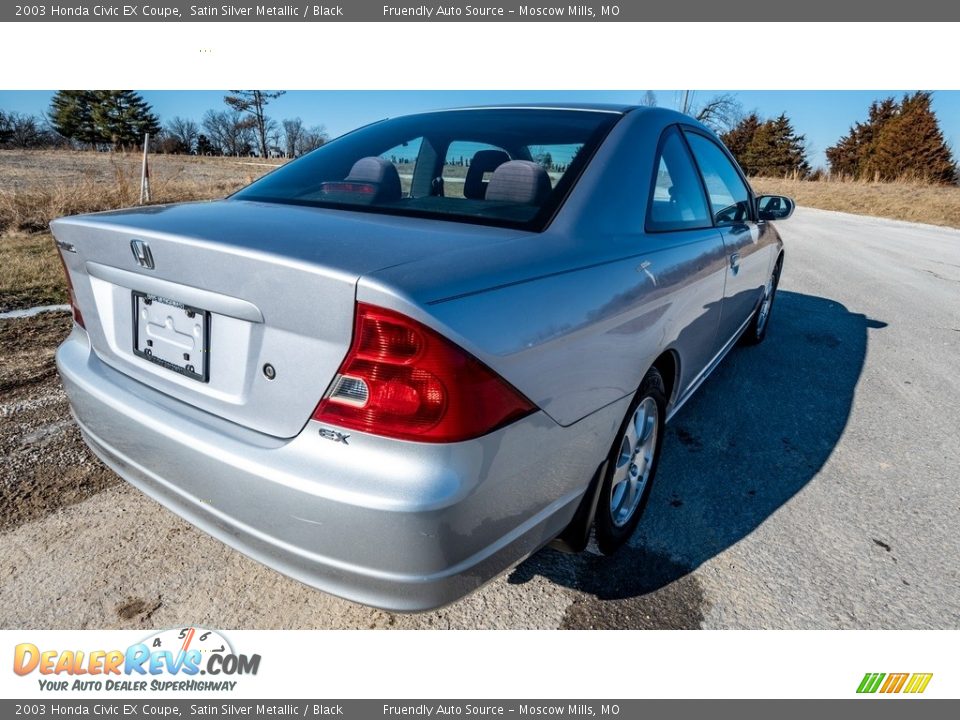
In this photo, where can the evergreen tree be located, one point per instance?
(844, 156)
(771, 147)
(898, 140)
(738, 139)
(911, 144)
(852, 154)
(95, 117)
(776, 150)
(71, 114)
(122, 118)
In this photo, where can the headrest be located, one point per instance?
(483, 161)
(379, 172)
(519, 181)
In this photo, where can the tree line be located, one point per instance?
(897, 140)
(119, 119)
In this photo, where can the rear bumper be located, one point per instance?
(398, 525)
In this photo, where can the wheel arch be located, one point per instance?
(668, 365)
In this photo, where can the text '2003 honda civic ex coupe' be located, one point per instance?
(402, 363)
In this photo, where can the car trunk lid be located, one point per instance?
(247, 307)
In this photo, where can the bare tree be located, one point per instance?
(312, 139)
(254, 103)
(293, 133)
(275, 137)
(184, 133)
(23, 131)
(720, 113)
(6, 132)
(229, 131)
(649, 99)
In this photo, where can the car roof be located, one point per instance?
(595, 107)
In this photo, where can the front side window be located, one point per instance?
(676, 201)
(497, 166)
(729, 195)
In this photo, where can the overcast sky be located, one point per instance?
(823, 116)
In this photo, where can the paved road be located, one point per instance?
(814, 482)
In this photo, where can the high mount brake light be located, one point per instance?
(401, 379)
(348, 188)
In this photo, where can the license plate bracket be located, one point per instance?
(171, 334)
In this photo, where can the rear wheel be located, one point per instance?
(757, 330)
(632, 465)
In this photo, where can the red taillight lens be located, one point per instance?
(77, 317)
(348, 188)
(403, 380)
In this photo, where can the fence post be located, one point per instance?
(145, 172)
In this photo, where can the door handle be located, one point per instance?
(735, 262)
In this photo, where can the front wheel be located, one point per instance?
(757, 330)
(632, 465)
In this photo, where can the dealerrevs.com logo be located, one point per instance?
(170, 660)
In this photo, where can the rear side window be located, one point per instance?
(729, 195)
(676, 201)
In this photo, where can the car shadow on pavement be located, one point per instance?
(753, 436)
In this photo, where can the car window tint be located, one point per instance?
(456, 165)
(555, 159)
(729, 195)
(677, 201)
(404, 158)
(397, 166)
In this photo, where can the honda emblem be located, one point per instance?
(142, 254)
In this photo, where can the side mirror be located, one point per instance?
(774, 207)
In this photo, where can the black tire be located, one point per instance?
(612, 531)
(757, 329)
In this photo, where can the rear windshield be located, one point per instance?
(510, 167)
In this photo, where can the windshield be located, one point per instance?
(510, 167)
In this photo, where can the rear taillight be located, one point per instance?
(403, 380)
(77, 317)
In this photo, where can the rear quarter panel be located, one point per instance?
(574, 317)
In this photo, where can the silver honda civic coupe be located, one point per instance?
(397, 366)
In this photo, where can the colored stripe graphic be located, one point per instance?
(894, 683)
(918, 682)
(870, 682)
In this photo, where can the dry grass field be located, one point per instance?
(915, 202)
(38, 186)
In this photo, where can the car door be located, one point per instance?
(689, 252)
(732, 205)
